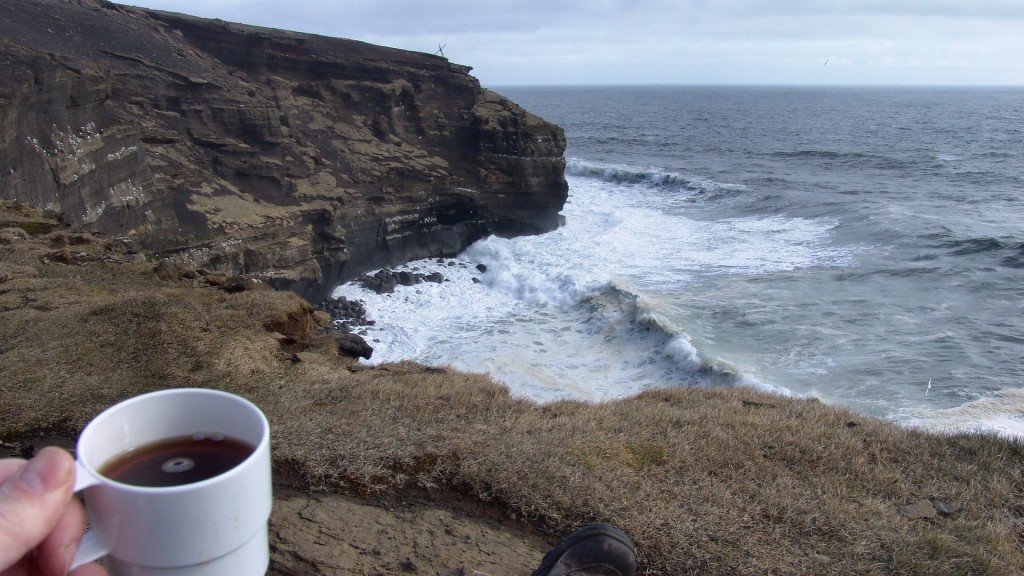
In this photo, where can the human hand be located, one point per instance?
(41, 523)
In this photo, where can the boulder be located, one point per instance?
(346, 314)
(353, 345)
(385, 281)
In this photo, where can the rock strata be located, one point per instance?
(301, 159)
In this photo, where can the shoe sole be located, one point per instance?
(581, 534)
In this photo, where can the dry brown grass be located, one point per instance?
(706, 481)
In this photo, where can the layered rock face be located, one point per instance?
(303, 159)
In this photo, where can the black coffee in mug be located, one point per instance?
(177, 461)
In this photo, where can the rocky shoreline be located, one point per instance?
(163, 177)
(401, 468)
(349, 316)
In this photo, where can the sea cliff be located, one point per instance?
(302, 160)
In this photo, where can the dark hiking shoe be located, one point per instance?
(594, 550)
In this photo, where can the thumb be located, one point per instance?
(32, 500)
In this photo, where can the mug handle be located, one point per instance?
(90, 548)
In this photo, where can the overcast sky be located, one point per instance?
(539, 42)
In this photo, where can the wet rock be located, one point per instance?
(385, 281)
(353, 345)
(346, 314)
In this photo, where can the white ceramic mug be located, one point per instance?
(216, 526)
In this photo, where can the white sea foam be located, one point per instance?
(603, 308)
(853, 265)
(1001, 413)
(581, 312)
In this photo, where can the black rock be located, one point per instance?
(346, 313)
(353, 345)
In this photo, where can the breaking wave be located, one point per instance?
(643, 321)
(648, 177)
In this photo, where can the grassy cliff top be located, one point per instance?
(724, 481)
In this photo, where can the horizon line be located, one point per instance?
(745, 85)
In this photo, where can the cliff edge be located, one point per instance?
(301, 159)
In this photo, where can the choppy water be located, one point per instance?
(852, 244)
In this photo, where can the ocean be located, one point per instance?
(862, 246)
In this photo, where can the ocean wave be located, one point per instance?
(1007, 250)
(851, 159)
(649, 177)
(643, 318)
(546, 336)
(1015, 258)
(974, 246)
(1010, 251)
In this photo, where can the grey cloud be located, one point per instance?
(667, 40)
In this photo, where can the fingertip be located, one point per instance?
(58, 456)
(49, 470)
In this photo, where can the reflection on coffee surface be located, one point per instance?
(177, 461)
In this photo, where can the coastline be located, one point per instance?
(516, 323)
(705, 481)
(429, 340)
(849, 245)
(327, 158)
